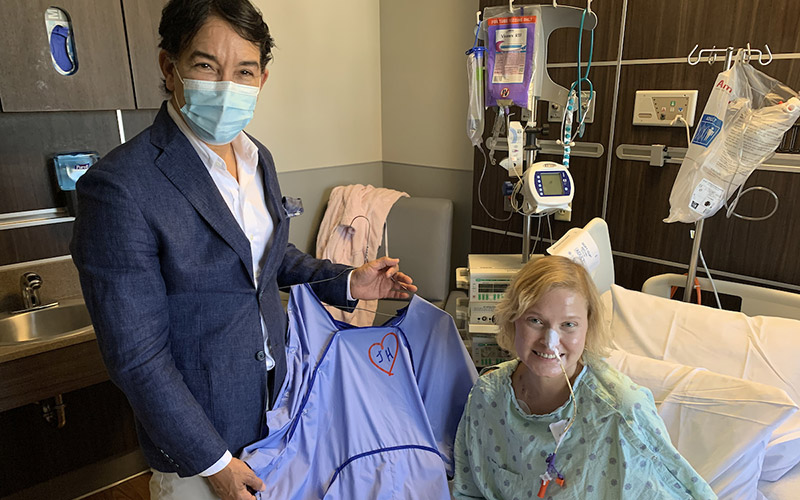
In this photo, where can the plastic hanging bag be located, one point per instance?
(476, 108)
(510, 40)
(743, 123)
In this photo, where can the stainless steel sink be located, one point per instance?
(69, 317)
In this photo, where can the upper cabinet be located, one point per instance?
(29, 79)
(79, 55)
(141, 19)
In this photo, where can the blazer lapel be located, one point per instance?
(180, 163)
(274, 201)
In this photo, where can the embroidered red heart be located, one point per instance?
(384, 353)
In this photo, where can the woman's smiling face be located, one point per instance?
(564, 311)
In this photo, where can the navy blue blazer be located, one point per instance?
(167, 276)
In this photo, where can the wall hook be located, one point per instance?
(689, 57)
(769, 53)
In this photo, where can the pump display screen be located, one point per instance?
(552, 185)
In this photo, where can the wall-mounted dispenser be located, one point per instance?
(62, 41)
(70, 167)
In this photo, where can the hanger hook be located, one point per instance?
(511, 6)
(689, 57)
(769, 52)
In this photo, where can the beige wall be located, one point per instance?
(321, 105)
(367, 80)
(357, 94)
(424, 81)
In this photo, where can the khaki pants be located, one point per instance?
(170, 486)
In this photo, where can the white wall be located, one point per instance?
(321, 105)
(424, 81)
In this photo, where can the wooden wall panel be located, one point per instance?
(32, 243)
(141, 24)
(484, 242)
(670, 28)
(563, 44)
(99, 426)
(639, 194)
(136, 121)
(29, 141)
(632, 273)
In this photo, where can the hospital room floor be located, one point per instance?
(133, 489)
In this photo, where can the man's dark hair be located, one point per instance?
(182, 19)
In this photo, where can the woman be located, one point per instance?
(558, 421)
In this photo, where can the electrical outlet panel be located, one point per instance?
(564, 215)
(555, 111)
(658, 108)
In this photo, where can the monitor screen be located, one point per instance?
(551, 184)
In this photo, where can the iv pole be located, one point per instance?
(698, 231)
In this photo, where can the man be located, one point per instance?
(182, 244)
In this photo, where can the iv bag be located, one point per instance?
(476, 109)
(512, 41)
(743, 123)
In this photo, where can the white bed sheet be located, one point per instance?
(785, 488)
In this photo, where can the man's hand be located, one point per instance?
(232, 482)
(381, 279)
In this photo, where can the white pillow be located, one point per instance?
(761, 349)
(720, 424)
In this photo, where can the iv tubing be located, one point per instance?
(574, 404)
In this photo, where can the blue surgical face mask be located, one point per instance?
(217, 111)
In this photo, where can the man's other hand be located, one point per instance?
(232, 482)
(381, 279)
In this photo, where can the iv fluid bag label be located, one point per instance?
(509, 63)
(511, 44)
(510, 60)
(706, 197)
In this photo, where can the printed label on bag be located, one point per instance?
(707, 130)
(706, 197)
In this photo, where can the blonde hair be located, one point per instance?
(537, 278)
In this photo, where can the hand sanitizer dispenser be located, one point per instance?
(70, 167)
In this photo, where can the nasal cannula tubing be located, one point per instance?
(574, 401)
(552, 473)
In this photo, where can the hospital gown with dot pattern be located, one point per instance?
(618, 446)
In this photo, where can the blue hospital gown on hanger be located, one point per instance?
(365, 413)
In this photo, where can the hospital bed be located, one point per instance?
(726, 382)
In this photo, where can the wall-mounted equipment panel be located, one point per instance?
(659, 108)
(68, 55)
(141, 20)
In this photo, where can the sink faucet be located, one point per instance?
(29, 284)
